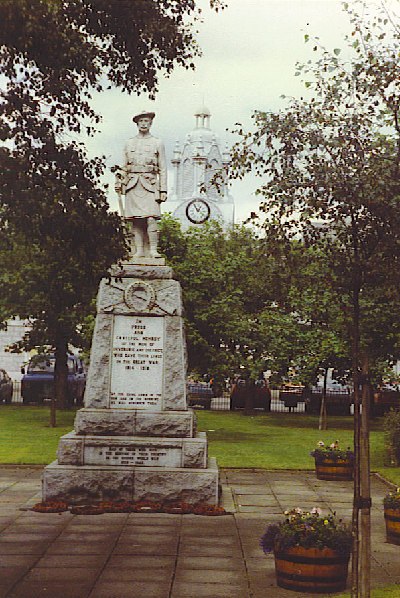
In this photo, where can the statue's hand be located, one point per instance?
(162, 197)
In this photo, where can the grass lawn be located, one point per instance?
(26, 436)
(271, 441)
(384, 592)
(282, 440)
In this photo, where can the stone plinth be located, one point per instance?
(135, 438)
(136, 451)
(135, 422)
(96, 483)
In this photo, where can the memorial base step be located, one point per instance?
(90, 484)
(130, 422)
(115, 451)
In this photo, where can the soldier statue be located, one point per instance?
(143, 181)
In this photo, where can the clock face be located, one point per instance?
(198, 211)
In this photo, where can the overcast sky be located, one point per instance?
(249, 54)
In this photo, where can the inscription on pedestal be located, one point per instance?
(137, 362)
(150, 456)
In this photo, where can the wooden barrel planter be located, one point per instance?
(392, 520)
(311, 570)
(334, 469)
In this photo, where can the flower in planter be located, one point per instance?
(331, 451)
(308, 529)
(392, 500)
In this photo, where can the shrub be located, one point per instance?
(391, 426)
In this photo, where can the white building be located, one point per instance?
(12, 362)
(193, 199)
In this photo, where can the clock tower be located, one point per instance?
(194, 200)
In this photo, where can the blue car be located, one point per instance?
(199, 395)
(37, 383)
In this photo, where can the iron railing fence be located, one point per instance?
(277, 406)
(222, 403)
(16, 396)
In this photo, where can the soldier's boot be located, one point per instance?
(152, 233)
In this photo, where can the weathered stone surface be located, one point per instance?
(133, 451)
(174, 365)
(164, 423)
(139, 452)
(143, 445)
(145, 270)
(190, 485)
(86, 485)
(106, 422)
(167, 297)
(70, 450)
(131, 422)
(195, 452)
(98, 380)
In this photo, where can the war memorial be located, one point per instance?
(135, 439)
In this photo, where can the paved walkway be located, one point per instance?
(166, 556)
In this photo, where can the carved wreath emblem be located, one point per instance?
(140, 296)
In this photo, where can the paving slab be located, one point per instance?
(129, 589)
(70, 575)
(208, 590)
(119, 561)
(50, 590)
(79, 548)
(154, 555)
(210, 563)
(155, 574)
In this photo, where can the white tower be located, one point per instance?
(194, 200)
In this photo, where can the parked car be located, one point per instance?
(199, 394)
(261, 398)
(6, 387)
(37, 383)
(385, 398)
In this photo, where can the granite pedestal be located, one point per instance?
(135, 439)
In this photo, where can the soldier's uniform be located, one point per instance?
(144, 176)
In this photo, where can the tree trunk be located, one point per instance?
(322, 414)
(61, 373)
(365, 489)
(249, 397)
(356, 492)
(356, 496)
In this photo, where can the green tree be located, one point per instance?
(331, 164)
(58, 236)
(240, 314)
(216, 272)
